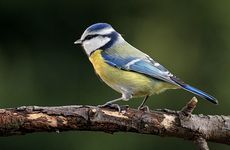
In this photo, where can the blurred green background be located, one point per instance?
(40, 65)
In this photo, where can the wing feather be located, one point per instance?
(143, 65)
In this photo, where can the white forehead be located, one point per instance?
(104, 31)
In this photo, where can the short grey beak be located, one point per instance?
(78, 41)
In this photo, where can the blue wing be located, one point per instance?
(145, 65)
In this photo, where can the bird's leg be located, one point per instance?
(142, 107)
(125, 97)
(111, 104)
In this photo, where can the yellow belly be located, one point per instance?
(126, 81)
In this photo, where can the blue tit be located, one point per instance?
(126, 69)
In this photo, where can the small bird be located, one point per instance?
(126, 69)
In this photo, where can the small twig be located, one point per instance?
(201, 143)
(185, 115)
(190, 106)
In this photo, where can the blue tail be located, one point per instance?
(200, 93)
(195, 91)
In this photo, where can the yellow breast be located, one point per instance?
(125, 81)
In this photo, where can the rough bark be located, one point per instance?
(182, 124)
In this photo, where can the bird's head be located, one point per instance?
(98, 36)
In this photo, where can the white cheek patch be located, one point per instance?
(94, 43)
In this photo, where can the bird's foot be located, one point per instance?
(144, 108)
(114, 106)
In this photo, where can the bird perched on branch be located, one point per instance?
(126, 69)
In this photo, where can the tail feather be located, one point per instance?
(200, 93)
(195, 91)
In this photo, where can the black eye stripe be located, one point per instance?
(88, 37)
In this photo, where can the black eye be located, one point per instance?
(88, 37)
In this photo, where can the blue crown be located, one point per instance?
(98, 26)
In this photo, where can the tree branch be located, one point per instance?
(182, 124)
